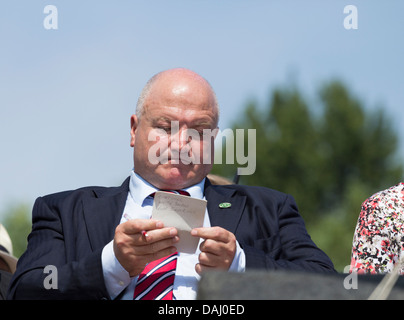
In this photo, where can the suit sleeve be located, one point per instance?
(65, 278)
(286, 245)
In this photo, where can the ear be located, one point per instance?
(133, 126)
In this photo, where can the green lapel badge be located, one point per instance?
(224, 205)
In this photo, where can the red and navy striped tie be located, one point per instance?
(156, 281)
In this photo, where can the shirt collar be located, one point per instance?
(140, 189)
(197, 190)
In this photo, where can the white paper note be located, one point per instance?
(182, 212)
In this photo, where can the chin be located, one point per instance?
(174, 178)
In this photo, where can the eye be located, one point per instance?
(204, 132)
(200, 132)
(166, 129)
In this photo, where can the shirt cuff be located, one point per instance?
(238, 264)
(116, 278)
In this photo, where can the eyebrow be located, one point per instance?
(161, 119)
(197, 123)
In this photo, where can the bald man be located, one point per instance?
(94, 237)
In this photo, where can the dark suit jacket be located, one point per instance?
(71, 228)
(5, 278)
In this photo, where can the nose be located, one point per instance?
(179, 139)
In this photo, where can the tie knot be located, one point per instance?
(182, 192)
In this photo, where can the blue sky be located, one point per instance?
(66, 95)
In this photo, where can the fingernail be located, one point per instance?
(173, 232)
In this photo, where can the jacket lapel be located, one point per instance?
(220, 215)
(103, 212)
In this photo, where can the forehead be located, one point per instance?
(181, 99)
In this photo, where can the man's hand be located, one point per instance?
(217, 250)
(134, 249)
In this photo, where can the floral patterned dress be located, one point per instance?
(378, 241)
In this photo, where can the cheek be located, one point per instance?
(140, 146)
(207, 151)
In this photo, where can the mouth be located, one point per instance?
(178, 158)
(178, 163)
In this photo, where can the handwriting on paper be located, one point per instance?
(182, 212)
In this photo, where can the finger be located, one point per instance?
(158, 235)
(209, 259)
(156, 247)
(216, 258)
(214, 233)
(212, 246)
(138, 225)
(127, 240)
(145, 238)
(199, 268)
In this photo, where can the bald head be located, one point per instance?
(178, 81)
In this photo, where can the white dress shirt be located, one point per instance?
(139, 206)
